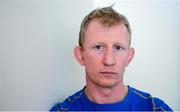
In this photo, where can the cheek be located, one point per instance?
(121, 61)
(92, 59)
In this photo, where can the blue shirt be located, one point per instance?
(134, 101)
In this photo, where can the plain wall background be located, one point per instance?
(37, 66)
(38, 63)
(1, 55)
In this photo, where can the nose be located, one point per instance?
(109, 59)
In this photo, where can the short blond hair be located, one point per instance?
(107, 16)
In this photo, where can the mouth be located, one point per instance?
(108, 74)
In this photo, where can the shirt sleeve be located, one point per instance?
(160, 105)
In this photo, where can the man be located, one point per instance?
(104, 50)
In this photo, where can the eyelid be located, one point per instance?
(101, 46)
(98, 45)
(121, 47)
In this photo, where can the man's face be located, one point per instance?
(106, 53)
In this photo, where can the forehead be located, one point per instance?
(97, 31)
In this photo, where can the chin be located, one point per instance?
(108, 84)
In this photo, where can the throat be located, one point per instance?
(106, 95)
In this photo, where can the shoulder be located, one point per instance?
(69, 103)
(140, 100)
(144, 98)
(140, 94)
(160, 105)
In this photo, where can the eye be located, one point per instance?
(118, 47)
(98, 47)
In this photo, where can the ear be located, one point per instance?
(131, 53)
(78, 53)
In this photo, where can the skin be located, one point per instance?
(105, 54)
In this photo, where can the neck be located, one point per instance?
(104, 95)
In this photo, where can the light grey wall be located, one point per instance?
(39, 68)
(1, 55)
